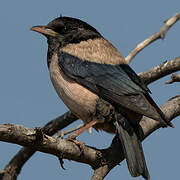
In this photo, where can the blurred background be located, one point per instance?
(28, 98)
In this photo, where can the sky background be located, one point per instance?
(28, 98)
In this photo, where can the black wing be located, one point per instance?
(118, 84)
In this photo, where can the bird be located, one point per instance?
(94, 81)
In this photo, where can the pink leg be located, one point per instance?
(81, 130)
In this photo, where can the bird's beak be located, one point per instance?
(44, 31)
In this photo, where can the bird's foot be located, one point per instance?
(78, 143)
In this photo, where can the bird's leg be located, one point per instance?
(61, 134)
(82, 129)
(73, 136)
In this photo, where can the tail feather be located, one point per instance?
(132, 149)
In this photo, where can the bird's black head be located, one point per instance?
(67, 30)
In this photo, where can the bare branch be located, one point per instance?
(174, 78)
(100, 160)
(14, 167)
(160, 71)
(158, 35)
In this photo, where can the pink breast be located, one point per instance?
(77, 98)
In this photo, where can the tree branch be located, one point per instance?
(100, 160)
(14, 167)
(174, 78)
(160, 71)
(158, 35)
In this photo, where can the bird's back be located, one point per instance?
(97, 50)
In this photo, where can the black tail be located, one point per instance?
(132, 148)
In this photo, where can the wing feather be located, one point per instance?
(118, 84)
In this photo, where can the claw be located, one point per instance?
(79, 144)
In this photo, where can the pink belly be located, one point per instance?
(78, 99)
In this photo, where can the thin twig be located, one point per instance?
(174, 78)
(158, 35)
